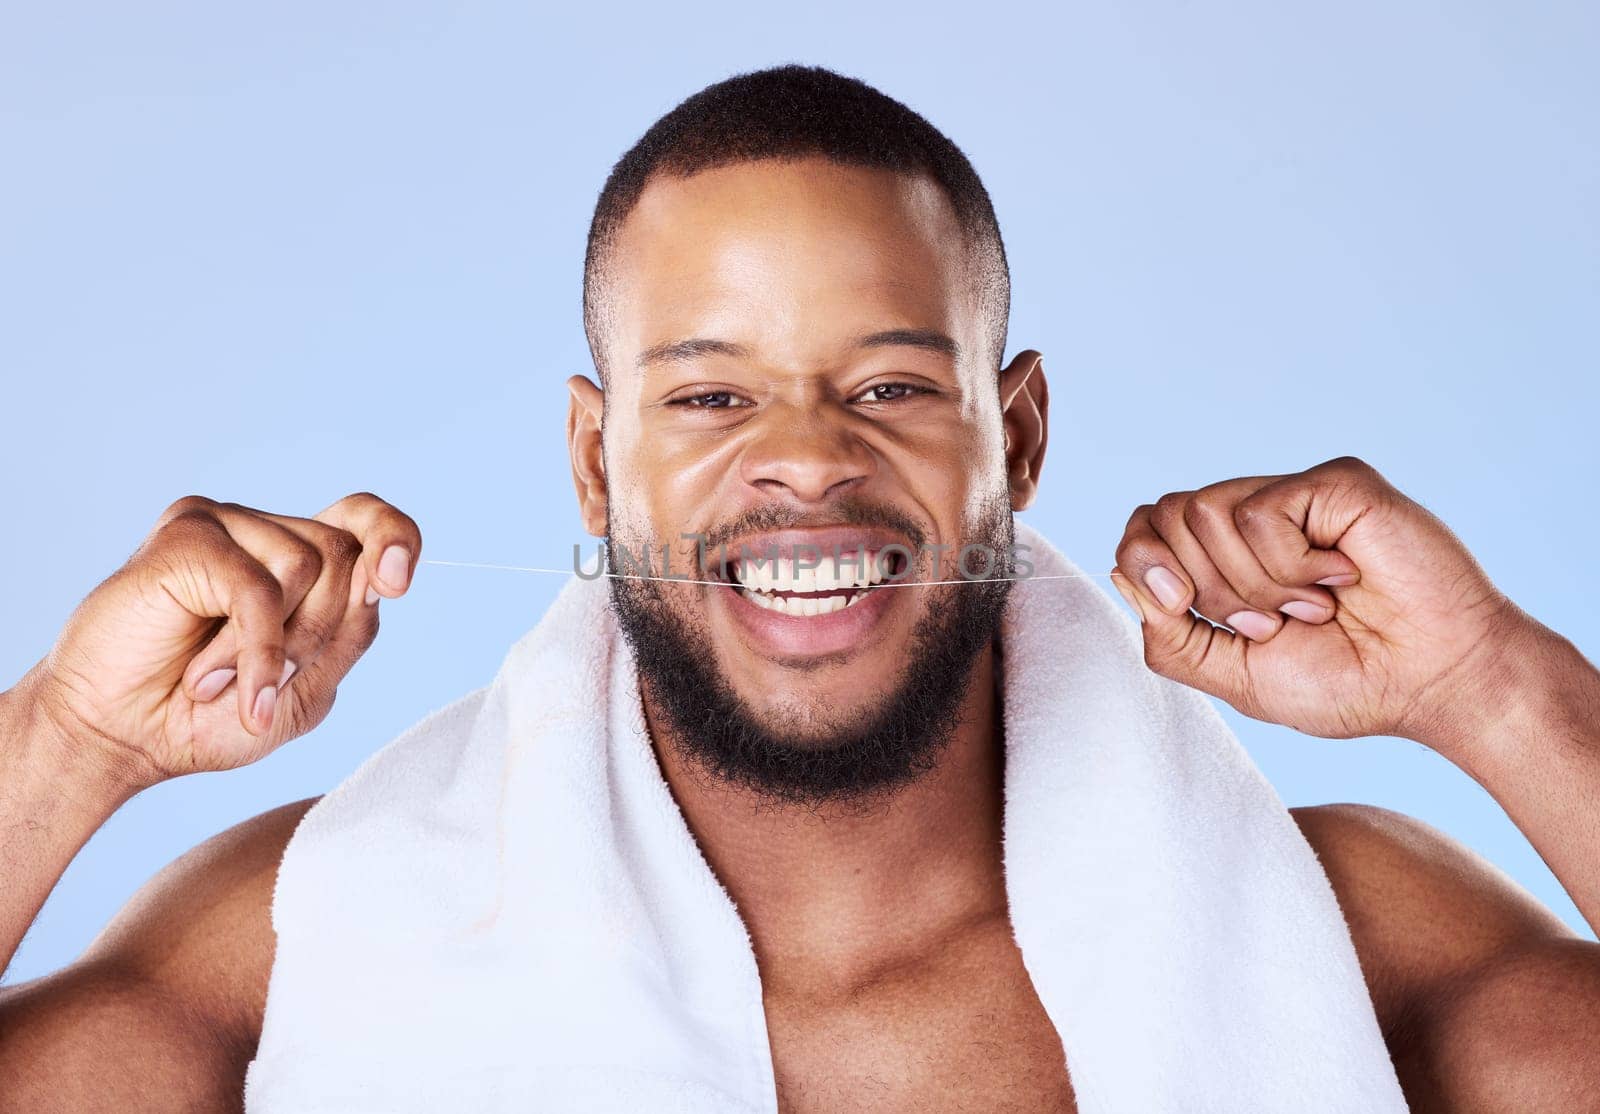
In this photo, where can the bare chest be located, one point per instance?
(960, 1030)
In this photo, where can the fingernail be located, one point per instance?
(372, 596)
(1340, 580)
(1306, 611)
(1165, 586)
(1252, 624)
(393, 566)
(288, 671)
(212, 683)
(266, 699)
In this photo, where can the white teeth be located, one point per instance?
(828, 587)
(790, 575)
(801, 605)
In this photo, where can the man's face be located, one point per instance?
(835, 393)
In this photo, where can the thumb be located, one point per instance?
(1187, 648)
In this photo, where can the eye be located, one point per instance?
(710, 400)
(889, 392)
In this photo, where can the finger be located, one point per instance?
(1174, 573)
(1150, 562)
(391, 541)
(1188, 649)
(303, 700)
(306, 695)
(1215, 598)
(311, 696)
(1210, 519)
(210, 574)
(293, 562)
(316, 622)
(340, 619)
(1276, 522)
(341, 586)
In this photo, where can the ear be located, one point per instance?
(584, 413)
(1024, 414)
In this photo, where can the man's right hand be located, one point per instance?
(223, 637)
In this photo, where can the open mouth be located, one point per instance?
(789, 587)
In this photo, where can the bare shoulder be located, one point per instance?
(163, 1010)
(1487, 999)
(1418, 901)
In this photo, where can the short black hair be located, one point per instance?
(792, 111)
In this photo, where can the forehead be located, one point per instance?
(788, 258)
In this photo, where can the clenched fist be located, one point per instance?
(1353, 610)
(224, 636)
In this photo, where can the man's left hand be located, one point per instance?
(1354, 610)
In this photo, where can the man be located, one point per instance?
(796, 298)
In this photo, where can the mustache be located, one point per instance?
(847, 511)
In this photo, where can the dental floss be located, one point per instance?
(724, 584)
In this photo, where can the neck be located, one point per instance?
(838, 892)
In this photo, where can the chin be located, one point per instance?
(811, 717)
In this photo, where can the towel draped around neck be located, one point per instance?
(504, 909)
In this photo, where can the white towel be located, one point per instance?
(504, 909)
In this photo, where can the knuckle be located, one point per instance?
(1250, 515)
(189, 504)
(303, 561)
(190, 534)
(1205, 512)
(1168, 510)
(1139, 519)
(346, 506)
(190, 528)
(342, 547)
(261, 589)
(406, 525)
(358, 501)
(1138, 552)
(1351, 467)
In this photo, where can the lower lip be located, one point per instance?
(806, 635)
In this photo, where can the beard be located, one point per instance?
(854, 758)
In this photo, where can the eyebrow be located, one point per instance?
(681, 350)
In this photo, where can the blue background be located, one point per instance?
(282, 255)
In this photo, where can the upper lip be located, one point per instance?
(818, 542)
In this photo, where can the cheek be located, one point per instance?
(975, 487)
(985, 433)
(958, 468)
(681, 474)
(653, 508)
(984, 463)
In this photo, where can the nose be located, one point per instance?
(806, 452)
